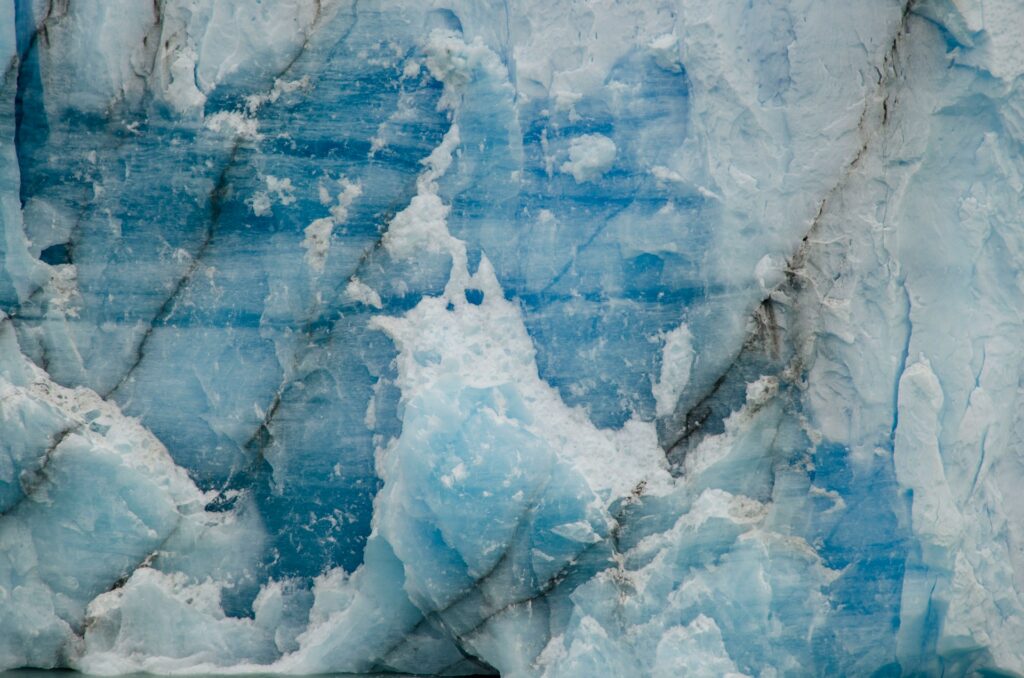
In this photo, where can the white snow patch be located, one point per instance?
(279, 190)
(282, 188)
(254, 102)
(182, 91)
(590, 156)
(357, 290)
(317, 242)
(676, 361)
(350, 191)
(666, 50)
(235, 123)
(260, 203)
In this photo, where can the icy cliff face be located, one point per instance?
(665, 337)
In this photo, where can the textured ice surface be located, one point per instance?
(548, 338)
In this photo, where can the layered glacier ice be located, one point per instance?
(542, 338)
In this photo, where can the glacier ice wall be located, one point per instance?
(657, 337)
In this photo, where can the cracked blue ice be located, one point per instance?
(658, 337)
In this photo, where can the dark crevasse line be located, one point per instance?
(215, 203)
(871, 585)
(216, 198)
(258, 473)
(683, 424)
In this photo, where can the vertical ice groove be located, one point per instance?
(943, 609)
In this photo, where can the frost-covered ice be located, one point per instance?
(548, 338)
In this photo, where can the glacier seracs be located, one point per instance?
(658, 337)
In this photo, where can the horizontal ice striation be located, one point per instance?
(546, 338)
